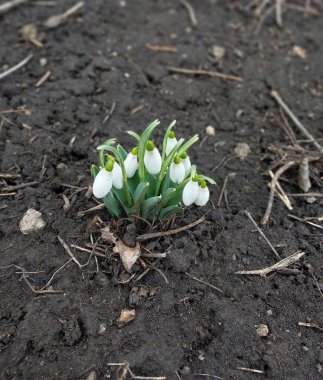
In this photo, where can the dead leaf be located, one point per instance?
(126, 316)
(128, 255)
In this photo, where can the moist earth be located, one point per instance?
(100, 62)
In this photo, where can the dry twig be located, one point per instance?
(208, 73)
(6, 7)
(56, 20)
(311, 325)
(276, 267)
(204, 282)
(272, 190)
(190, 11)
(295, 120)
(16, 67)
(305, 221)
(154, 235)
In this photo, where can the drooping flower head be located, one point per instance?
(171, 142)
(152, 158)
(103, 180)
(190, 191)
(177, 170)
(203, 195)
(131, 163)
(186, 162)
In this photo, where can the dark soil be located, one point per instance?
(99, 57)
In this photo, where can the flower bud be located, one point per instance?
(152, 158)
(171, 142)
(102, 183)
(131, 163)
(190, 192)
(117, 176)
(203, 195)
(177, 171)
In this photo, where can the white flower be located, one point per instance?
(153, 160)
(187, 164)
(177, 172)
(171, 142)
(190, 192)
(102, 183)
(117, 176)
(203, 195)
(131, 164)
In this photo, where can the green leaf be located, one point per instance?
(167, 195)
(149, 205)
(133, 183)
(140, 192)
(134, 134)
(167, 211)
(94, 170)
(106, 144)
(112, 205)
(188, 144)
(123, 153)
(172, 124)
(208, 179)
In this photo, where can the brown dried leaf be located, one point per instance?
(126, 316)
(128, 255)
(108, 236)
(304, 175)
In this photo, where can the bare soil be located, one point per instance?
(183, 328)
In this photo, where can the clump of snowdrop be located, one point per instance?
(147, 182)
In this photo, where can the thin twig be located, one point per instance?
(305, 221)
(109, 114)
(250, 370)
(203, 282)
(279, 18)
(208, 375)
(95, 253)
(69, 252)
(190, 11)
(154, 235)
(21, 186)
(56, 20)
(297, 123)
(43, 79)
(16, 67)
(6, 7)
(55, 273)
(9, 176)
(216, 74)
(262, 234)
(80, 214)
(224, 187)
(276, 267)
(272, 190)
(311, 325)
(281, 193)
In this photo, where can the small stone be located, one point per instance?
(299, 52)
(262, 330)
(217, 52)
(242, 150)
(210, 130)
(102, 328)
(185, 370)
(31, 221)
(43, 61)
(61, 166)
(269, 312)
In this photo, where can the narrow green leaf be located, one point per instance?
(134, 134)
(112, 205)
(149, 205)
(167, 211)
(140, 192)
(208, 179)
(123, 153)
(94, 170)
(171, 126)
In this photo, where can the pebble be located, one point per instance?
(210, 130)
(32, 221)
(262, 330)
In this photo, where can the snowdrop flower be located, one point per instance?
(103, 181)
(190, 192)
(177, 170)
(186, 162)
(131, 163)
(117, 176)
(203, 195)
(171, 142)
(152, 158)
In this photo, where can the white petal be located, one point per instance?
(117, 176)
(190, 192)
(131, 164)
(203, 196)
(170, 144)
(177, 172)
(153, 161)
(102, 184)
(187, 164)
